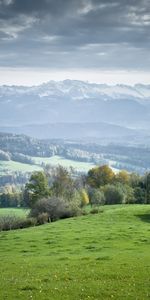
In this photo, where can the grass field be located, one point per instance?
(102, 256)
(14, 211)
(58, 160)
(12, 166)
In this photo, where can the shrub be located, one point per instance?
(85, 212)
(84, 197)
(28, 222)
(94, 210)
(10, 222)
(55, 208)
(43, 218)
(97, 197)
(113, 194)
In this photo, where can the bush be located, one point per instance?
(113, 194)
(84, 198)
(54, 208)
(43, 218)
(10, 222)
(28, 222)
(95, 210)
(96, 197)
(84, 212)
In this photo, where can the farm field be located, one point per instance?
(58, 160)
(101, 256)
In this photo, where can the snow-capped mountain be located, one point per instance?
(79, 90)
(75, 102)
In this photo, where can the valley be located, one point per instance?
(21, 155)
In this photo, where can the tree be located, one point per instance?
(140, 195)
(84, 197)
(147, 187)
(100, 176)
(62, 183)
(37, 188)
(135, 180)
(128, 191)
(122, 177)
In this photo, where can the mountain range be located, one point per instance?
(76, 109)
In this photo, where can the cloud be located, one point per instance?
(6, 2)
(102, 34)
(12, 27)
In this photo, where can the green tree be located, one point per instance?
(37, 188)
(100, 176)
(140, 195)
(122, 177)
(147, 187)
(62, 183)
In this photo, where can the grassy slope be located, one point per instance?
(58, 160)
(12, 166)
(104, 256)
(7, 166)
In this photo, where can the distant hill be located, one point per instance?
(31, 151)
(75, 131)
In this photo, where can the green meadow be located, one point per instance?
(13, 166)
(58, 160)
(96, 256)
(18, 212)
(7, 167)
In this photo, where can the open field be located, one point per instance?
(12, 166)
(58, 160)
(103, 256)
(14, 211)
(7, 167)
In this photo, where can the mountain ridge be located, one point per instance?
(75, 102)
(137, 90)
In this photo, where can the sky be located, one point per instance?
(92, 40)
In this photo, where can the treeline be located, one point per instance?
(15, 178)
(11, 196)
(19, 157)
(56, 194)
(132, 157)
(101, 186)
(22, 144)
(120, 188)
(22, 148)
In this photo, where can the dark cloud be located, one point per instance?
(75, 33)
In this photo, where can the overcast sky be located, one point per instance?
(95, 40)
